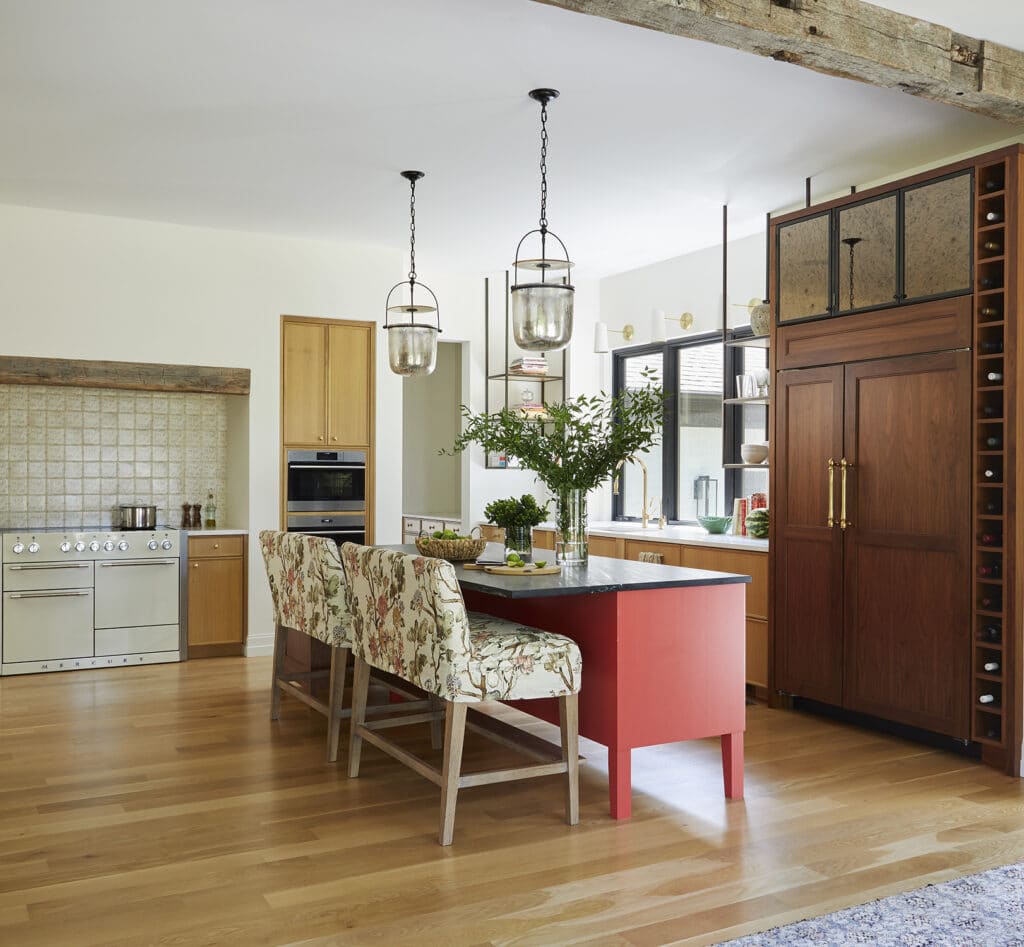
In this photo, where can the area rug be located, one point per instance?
(985, 910)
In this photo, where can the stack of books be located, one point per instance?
(533, 410)
(529, 365)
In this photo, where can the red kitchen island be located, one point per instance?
(663, 654)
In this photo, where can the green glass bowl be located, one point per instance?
(715, 524)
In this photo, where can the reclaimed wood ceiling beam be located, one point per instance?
(846, 38)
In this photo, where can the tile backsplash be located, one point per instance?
(70, 456)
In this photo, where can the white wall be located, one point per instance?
(84, 286)
(432, 484)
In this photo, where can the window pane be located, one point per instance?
(701, 478)
(631, 479)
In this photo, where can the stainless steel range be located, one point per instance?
(88, 599)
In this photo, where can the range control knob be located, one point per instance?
(18, 548)
(65, 546)
(79, 546)
(108, 546)
(153, 544)
(123, 545)
(95, 545)
(33, 548)
(166, 544)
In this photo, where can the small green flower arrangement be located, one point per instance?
(513, 514)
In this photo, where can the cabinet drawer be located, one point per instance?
(432, 526)
(453, 524)
(605, 546)
(669, 552)
(215, 547)
(410, 525)
(740, 562)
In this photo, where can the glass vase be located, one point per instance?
(519, 539)
(571, 543)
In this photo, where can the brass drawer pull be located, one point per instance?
(831, 493)
(844, 466)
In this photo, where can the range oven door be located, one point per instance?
(342, 529)
(47, 625)
(331, 480)
(136, 592)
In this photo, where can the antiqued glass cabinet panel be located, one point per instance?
(803, 277)
(867, 255)
(937, 238)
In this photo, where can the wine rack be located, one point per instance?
(992, 465)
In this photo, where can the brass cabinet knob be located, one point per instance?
(216, 545)
(195, 565)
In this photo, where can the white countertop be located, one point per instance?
(217, 531)
(682, 535)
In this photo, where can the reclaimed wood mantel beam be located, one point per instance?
(846, 38)
(138, 376)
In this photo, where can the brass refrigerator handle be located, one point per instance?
(831, 493)
(844, 466)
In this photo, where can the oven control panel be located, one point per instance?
(59, 545)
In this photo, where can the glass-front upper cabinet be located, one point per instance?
(937, 236)
(803, 268)
(867, 255)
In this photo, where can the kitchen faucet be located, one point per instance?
(643, 470)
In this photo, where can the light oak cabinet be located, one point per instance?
(326, 383)
(216, 595)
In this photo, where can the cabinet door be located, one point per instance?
(348, 386)
(867, 255)
(803, 274)
(807, 552)
(304, 365)
(937, 235)
(215, 589)
(907, 556)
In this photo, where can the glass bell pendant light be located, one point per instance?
(412, 345)
(542, 311)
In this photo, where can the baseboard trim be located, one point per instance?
(258, 646)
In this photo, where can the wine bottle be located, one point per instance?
(992, 667)
(993, 506)
(989, 410)
(994, 377)
(991, 633)
(990, 572)
(991, 539)
(990, 603)
(989, 312)
(994, 216)
(986, 699)
(993, 184)
(992, 733)
(993, 443)
(993, 246)
(989, 282)
(991, 474)
(992, 346)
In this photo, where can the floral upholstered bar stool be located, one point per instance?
(307, 584)
(409, 619)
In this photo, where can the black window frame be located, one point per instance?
(732, 429)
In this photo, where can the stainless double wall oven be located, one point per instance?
(327, 494)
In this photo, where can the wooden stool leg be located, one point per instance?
(436, 724)
(568, 714)
(280, 635)
(335, 703)
(454, 734)
(360, 688)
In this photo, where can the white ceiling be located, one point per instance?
(295, 118)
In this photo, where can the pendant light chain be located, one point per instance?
(412, 231)
(543, 167)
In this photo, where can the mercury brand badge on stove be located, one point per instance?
(91, 598)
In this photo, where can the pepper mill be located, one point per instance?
(186, 515)
(197, 521)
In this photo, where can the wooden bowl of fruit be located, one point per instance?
(448, 544)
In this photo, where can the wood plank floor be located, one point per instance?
(160, 805)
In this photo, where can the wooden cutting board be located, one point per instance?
(527, 570)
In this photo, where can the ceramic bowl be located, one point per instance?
(754, 453)
(715, 524)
